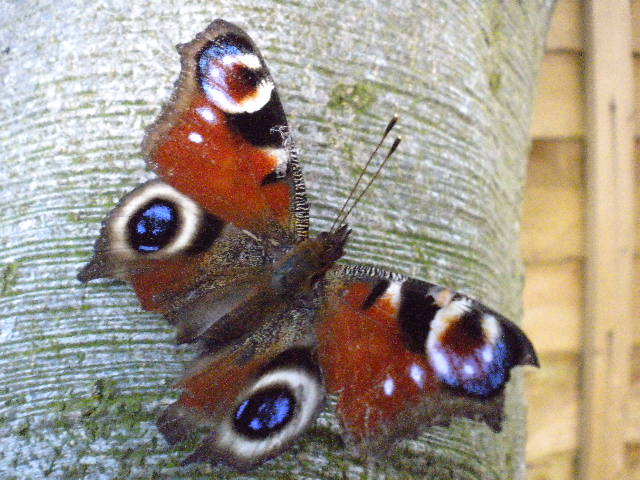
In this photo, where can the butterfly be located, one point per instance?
(219, 244)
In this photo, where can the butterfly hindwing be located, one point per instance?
(418, 355)
(250, 401)
(224, 141)
(173, 251)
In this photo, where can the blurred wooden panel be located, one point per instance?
(636, 299)
(637, 154)
(553, 217)
(609, 235)
(632, 434)
(558, 108)
(565, 31)
(553, 306)
(556, 162)
(632, 461)
(635, 24)
(632, 431)
(558, 466)
(552, 395)
(636, 76)
(635, 372)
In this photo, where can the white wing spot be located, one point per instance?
(389, 386)
(487, 353)
(491, 328)
(469, 369)
(195, 137)
(247, 59)
(393, 293)
(207, 114)
(280, 157)
(417, 374)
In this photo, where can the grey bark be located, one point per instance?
(83, 371)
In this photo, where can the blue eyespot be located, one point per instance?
(153, 226)
(215, 51)
(480, 372)
(265, 412)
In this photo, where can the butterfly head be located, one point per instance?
(332, 243)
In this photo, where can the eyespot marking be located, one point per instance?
(271, 413)
(232, 77)
(467, 349)
(153, 226)
(265, 412)
(156, 220)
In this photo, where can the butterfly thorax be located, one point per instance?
(307, 262)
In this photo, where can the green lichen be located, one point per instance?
(495, 82)
(98, 412)
(9, 278)
(357, 97)
(24, 429)
(77, 217)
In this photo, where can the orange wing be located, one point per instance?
(402, 354)
(223, 140)
(252, 400)
(230, 183)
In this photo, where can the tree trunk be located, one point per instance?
(83, 371)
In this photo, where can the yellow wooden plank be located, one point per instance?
(565, 31)
(632, 426)
(636, 75)
(632, 434)
(552, 300)
(635, 24)
(554, 178)
(636, 300)
(559, 466)
(558, 108)
(609, 239)
(632, 471)
(636, 263)
(552, 396)
(637, 175)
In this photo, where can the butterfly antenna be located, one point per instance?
(390, 125)
(393, 148)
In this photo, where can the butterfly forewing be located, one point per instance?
(231, 197)
(224, 141)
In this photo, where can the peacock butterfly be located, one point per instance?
(219, 245)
